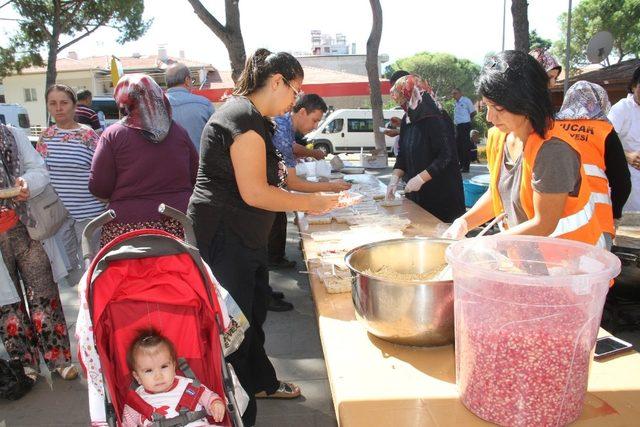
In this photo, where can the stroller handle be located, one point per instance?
(187, 225)
(90, 229)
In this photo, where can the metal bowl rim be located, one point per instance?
(347, 259)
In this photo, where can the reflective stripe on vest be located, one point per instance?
(575, 221)
(601, 198)
(602, 243)
(593, 170)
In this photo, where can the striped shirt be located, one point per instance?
(86, 116)
(68, 154)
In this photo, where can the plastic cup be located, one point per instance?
(527, 313)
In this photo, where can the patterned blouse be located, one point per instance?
(68, 154)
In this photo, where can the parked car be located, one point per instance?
(349, 130)
(106, 108)
(15, 115)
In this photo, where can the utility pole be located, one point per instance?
(567, 51)
(504, 18)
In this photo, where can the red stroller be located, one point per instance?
(149, 278)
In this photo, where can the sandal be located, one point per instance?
(68, 372)
(284, 391)
(31, 373)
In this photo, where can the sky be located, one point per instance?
(464, 28)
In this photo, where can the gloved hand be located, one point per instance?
(457, 230)
(392, 186)
(414, 184)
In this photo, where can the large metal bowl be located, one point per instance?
(411, 312)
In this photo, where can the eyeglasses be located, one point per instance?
(296, 92)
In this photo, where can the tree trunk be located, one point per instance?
(230, 34)
(52, 57)
(373, 72)
(519, 12)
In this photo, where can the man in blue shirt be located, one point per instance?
(190, 111)
(463, 114)
(303, 118)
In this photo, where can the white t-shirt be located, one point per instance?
(625, 117)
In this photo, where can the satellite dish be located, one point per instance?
(599, 47)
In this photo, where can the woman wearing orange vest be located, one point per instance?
(537, 177)
(584, 116)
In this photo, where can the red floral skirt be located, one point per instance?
(112, 230)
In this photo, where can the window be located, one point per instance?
(335, 126)
(23, 121)
(30, 95)
(2, 119)
(360, 125)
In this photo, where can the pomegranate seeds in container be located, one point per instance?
(527, 313)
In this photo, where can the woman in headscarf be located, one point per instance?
(143, 160)
(549, 63)
(584, 116)
(31, 321)
(426, 159)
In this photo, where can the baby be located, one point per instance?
(152, 361)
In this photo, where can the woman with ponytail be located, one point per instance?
(240, 187)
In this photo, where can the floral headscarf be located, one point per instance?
(585, 101)
(146, 107)
(409, 92)
(545, 59)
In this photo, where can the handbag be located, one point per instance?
(13, 382)
(48, 212)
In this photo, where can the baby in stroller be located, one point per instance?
(152, 361)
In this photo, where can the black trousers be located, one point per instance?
(244, 273)
(278, 237)
(463, 142)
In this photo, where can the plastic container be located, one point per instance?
(527, 313)
(472, 192)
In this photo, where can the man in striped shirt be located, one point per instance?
(84, 114)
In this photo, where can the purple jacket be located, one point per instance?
(136, 175)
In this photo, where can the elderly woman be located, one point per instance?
(584, 116)
(549, 63)
(537, 176)
(68, 148)
(426, 159)
(31, 321)
(142, 161)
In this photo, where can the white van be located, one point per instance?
(349, 131)
(15, 115)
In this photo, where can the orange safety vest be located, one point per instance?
(590, 137)
(578, 221)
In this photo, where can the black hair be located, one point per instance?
(84, 94)
(62, 88)
(264, 64)
(397, 75)
(310, 102)
(146, 339)
(635, 79)
(518, 83)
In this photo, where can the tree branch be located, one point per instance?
(10, 1)
(66, 45)
(209, 20)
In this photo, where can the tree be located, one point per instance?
(443, 71)
(44, 23)
(519, 12)
(373, 72)
(538, 41)
(620, 17)
(230, 34)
